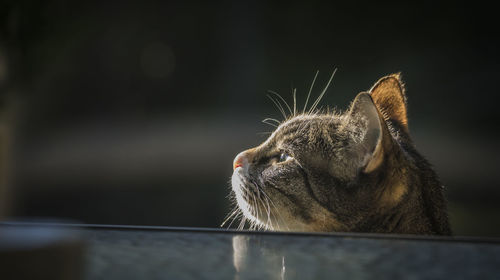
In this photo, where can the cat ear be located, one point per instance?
(369, 142)
(389, 97)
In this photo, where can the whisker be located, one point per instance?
(276, 208)
(242, 223)
(323, 92)
(233, 212)
(254, 207)
(259, 191)
(262, 225)
(269, 222)
(310, 90)
(278, 105)
(235, 218)
(269, 122)
(265, 133)
(271, 201)
(282, 99)
(274, 120)
(294, 94)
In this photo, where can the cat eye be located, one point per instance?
(284, 157)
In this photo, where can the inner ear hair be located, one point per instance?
(376, 158)
(388, 94)
(371, 148)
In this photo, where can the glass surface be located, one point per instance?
(195, 254)
(134, 252)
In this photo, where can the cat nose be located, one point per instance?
(241, 159)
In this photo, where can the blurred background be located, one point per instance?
(124, 112)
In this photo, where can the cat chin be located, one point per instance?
(238, 186)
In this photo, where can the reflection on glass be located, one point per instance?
(255, 257)
(295, 257)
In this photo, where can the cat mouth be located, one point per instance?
(251, 200)
(242, 187)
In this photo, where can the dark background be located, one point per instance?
(131, 112)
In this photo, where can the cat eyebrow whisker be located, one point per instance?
(282, 99)
(271, 124)
(310, 90)
(278, 105)
(323, 92)
(270, 121)
(294, 94)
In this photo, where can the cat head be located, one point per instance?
(328, 171)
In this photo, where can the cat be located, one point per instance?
(356, 171)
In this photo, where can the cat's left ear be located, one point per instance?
(369, 142)
(388, 94)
